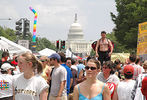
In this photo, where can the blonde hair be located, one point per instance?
(44, 57)
(29, 57)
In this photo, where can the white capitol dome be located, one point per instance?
(75, 31)
(76, 42)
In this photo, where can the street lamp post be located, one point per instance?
(5, 19)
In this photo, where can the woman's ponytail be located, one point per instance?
(39, 66)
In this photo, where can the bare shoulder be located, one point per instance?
(103, 85)
(100, 83)
(80, 85)
(109, 40)
(98, 41)
(76, 87)
(76, 93)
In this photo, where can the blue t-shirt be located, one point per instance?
(69, 76)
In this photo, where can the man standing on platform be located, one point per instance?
(104, 48)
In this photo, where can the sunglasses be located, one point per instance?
(91, 68)
(43, 60)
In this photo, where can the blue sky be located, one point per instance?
(56, 16)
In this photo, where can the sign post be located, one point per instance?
(24, 43)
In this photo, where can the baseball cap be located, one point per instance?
(6, 66)
(144, 86)
(129, 70)
(55, 56)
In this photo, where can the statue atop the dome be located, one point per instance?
(75, 18)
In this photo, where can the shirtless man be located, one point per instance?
(102, 48)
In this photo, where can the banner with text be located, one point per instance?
(142, 41)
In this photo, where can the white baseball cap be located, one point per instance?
(6, 66)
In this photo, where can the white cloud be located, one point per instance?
(56, 16)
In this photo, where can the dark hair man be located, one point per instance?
(69, 73)
(59, 77)
(137, 68)
(102, 48)
(74, 73)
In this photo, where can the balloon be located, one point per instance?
(34, 27)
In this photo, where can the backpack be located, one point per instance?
(93, 45)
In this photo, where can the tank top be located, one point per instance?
(98, 97)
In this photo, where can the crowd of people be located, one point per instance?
(57, 77)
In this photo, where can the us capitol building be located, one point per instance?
(76, 41)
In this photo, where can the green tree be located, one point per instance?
(43, 43)
(118, 48)
(40, 42)
(8, 33)
(130, 14)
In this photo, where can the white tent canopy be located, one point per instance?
(46, 52)
(12, 47)
(70, 54)
(3, 45)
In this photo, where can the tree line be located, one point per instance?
(130, 14)
(41, 43)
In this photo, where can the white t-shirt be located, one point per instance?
(124, 89)
(16, 76)
(112, 78)
(74, 67)
(29, 89)
(136, 93)
(6, 89)
(137, 70)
